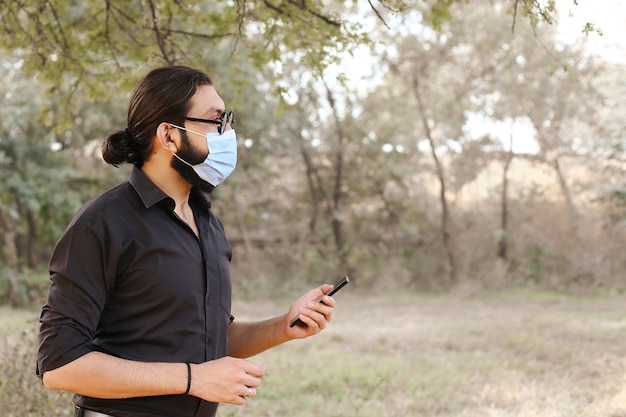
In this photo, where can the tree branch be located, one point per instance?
(161, 41)
(378, 14)
(302, 6)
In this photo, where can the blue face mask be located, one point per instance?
(222, 157)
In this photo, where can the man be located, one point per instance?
(138, 321)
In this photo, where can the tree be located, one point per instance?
(446, 71)
(98, 46)
(44, 175)
(26, 167)
(329, 176)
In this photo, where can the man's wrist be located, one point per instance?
(188, 378)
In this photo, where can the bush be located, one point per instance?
(21, 289)
(21, 392)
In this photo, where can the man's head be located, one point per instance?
(164, 95)
(167, 99)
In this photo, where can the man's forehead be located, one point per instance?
(207, 101)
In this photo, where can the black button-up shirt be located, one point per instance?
(131, 279)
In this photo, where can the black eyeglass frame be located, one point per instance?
(226, 118)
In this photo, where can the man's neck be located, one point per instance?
(168, 180)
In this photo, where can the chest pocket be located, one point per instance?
(225, 285)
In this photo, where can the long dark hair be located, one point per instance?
(161, 96)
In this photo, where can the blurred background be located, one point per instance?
(442, 150)
(427, 145)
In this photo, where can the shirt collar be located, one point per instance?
(151, 194)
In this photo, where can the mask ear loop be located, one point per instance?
(188, 130)
(174, 153)
(182, 160)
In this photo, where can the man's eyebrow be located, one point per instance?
(214, 110)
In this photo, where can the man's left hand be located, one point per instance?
(313, 314)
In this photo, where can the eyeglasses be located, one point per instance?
(226, 118)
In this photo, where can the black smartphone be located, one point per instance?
(336, 288)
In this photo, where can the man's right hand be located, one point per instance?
(226, 380)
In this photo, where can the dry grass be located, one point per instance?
(510, 354)
(21, 392)
(524, 355)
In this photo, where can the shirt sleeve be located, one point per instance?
(82, 272)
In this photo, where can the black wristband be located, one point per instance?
(188, 378)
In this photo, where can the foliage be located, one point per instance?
(43, 177)
(95, 47)
(336, 174)
(21, 391)
(30, 171)
(22, 289)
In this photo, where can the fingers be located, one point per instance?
(248, 392)
(324, 306)
(328, 301)
(317, 314)
(253, 368)
(326, 288)
(318, 310)
(250, 380)
(245, 393)
(227, 380)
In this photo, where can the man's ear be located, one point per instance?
(168, 137)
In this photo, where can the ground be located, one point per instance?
(518, 353)
(508, 354)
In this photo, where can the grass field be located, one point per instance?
(508, 354)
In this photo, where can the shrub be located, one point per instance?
(21, 392)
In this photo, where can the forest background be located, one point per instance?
(430, 146)
(465, 156)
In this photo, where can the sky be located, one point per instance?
(608, 15)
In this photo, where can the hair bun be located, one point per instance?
(118, 148)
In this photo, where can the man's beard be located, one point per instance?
(194, 157)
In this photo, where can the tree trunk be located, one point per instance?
(31, 240)
(241, 224)
(319, 196)
(503, 235)
(445, 234)
(392, 217)
(566, 194)
(311, 174)
(551, 155)
(9, 248)
(337, 194)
